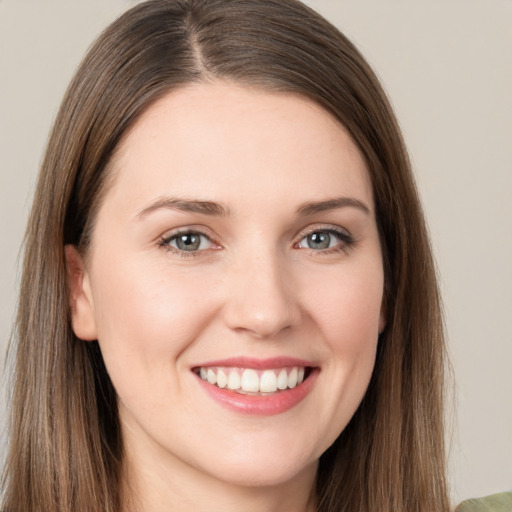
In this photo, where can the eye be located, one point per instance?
(187, 241)
(324, 239)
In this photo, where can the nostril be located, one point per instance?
(265, 320)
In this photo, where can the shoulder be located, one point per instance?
(496, 503)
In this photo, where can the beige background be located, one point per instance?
(447, 66)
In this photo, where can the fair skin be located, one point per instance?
(277, 266)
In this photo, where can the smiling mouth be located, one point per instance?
(249, 381)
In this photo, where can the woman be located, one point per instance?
(228, 294)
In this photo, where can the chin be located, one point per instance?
(271, 474)
(262, 467)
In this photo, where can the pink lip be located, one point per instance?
(258, 364)
(264, 405)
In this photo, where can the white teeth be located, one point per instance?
(222, 379)
(211, 377)
(282, 379)
(233, 380)
(292, 378)
(268, 382)
(249, 380)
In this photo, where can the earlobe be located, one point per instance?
(80, 297)
(382, 324)
(382, 318)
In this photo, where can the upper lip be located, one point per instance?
(256, 363)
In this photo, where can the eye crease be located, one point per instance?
(187, 242)
(325, 239)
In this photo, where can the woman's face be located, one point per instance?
(237, 246)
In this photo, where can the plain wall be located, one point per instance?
(447, 67)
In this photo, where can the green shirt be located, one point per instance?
(496, 503)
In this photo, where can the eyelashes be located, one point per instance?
(322, 240)
(318, 241)
(187, 243)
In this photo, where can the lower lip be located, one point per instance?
(263, 405)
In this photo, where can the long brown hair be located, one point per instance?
(66, 450)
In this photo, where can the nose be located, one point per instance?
(262, 300)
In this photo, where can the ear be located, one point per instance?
(382, 316)
(83, 319)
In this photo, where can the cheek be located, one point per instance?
(348, 311)
(146, 318)
(348, 308)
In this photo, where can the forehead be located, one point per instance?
(222, 139)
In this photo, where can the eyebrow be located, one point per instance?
(310, 208)
(216, 209)
(185, 205)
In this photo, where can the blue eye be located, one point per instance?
(325, 239)
(188, 241)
